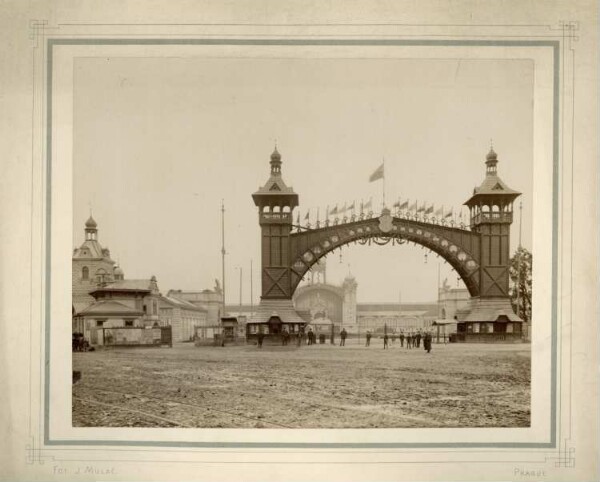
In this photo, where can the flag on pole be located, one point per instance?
(439, 212)
(404, 205)
(429, 210)
(307, 215)
(352, 206)
(420, 209)
(449, 213)
(298, 218)
(327, 212)
(378, 174)
(343, 209)
(412, 206)
(368, 204)
(397, 204)
(334, 210)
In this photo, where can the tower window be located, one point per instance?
(85, 273)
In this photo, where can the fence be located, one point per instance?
(135, 336)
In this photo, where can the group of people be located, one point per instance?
(79, 343)
(413, 340)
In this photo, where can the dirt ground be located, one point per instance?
(319, 386)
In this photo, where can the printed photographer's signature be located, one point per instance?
(83, 470)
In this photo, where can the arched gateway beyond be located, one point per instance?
(480, 254)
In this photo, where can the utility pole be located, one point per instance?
(251, 291)
(223, 252)
(241, 271)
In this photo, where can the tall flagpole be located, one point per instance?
(251, 291)
(223, 252)
(383, 182)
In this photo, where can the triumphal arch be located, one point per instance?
(479, 251)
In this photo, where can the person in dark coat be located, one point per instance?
(409, 341)
(419, 339)
(343, 335)
(368, 338)
(402, 339)
(385, 341)
(427, 342)
(261, 337)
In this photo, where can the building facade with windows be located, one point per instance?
(91, 266)
(209, 300)
(122, 303)
(184, 318)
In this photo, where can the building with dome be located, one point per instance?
(91, 266)
(104, 298)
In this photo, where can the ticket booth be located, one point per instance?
(230, 327)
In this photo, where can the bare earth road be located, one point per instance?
(320, 386)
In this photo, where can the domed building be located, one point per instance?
(91, 266)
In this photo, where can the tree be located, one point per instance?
(520, 286)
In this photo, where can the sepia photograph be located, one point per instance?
(343, 240)
(302, 243)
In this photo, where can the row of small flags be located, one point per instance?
(425, 209)
(438, 213)
(379, 173)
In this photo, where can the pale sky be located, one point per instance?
(158, 142)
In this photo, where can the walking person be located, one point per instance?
(368, 338)
(427, 342)
(261, 337)
(408, 341)
(385, 341)
(402, 339)
(419, 339)
(343, 335)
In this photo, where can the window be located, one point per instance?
(100, 323)
(128, 322)
(85, 273)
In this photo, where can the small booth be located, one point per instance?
(444, 328)
(504, 328)
(230, 328)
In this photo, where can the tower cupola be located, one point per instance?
(275, 163)
(490, 161)
(275, 195)
(91, 229)
(492, 201)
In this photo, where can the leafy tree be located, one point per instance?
(520, 277)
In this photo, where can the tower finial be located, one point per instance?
(491, 144)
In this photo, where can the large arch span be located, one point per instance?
(459, 247)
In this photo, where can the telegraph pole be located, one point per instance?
(251, 291)
(223, 251)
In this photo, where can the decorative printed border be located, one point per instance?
(560, 41)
